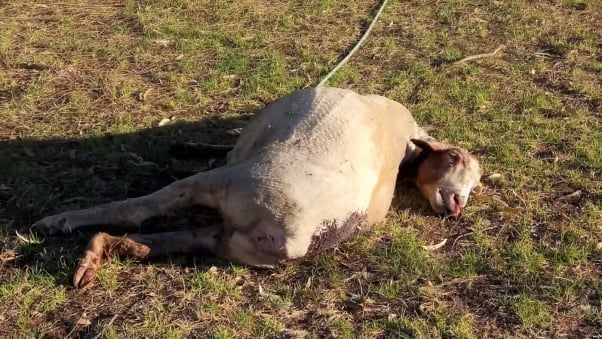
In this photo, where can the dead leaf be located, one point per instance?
(436, 246)
(494, 176)
(8, 256)
(162, 42)
(298, 333)
(84, 320)
(164, 122)
(144, 95)
(510, 210)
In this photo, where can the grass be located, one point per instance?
(83, 87)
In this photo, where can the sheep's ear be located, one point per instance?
(429, 146)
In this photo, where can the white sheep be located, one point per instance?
(309, 171)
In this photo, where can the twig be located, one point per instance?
(77, 322)
(479, 56)
(461, 280)
(460, 237)
(216, 147)
(108, 324)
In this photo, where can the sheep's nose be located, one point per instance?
(460, 199)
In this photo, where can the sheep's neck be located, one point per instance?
(408, 169)
(414, 157)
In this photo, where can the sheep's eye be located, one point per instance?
(454, 158)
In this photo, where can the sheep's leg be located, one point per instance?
(245, 248)
(205, 188)
(233, 244)
(141, 246)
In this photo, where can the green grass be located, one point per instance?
(531, 312)
(83, 88)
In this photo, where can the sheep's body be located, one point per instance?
(307, 172)
(317, 159)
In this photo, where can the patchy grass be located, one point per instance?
(83, 87)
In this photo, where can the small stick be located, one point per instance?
(104, 329)
(479, 56)
(77, 322)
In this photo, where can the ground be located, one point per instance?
(84, 86)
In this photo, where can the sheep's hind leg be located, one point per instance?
(203, 189)
(141, 246)
(241, 247)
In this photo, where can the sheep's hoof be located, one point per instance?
(54, 224)
(86, 269)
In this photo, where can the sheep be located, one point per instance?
(309, 171)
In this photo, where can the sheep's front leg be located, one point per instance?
(141, 246)
(203, 188)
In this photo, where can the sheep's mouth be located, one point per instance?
(447, 211)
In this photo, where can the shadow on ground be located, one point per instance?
(43, 177)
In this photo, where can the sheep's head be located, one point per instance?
(446, 176)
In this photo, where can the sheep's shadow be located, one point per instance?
(44, 177)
